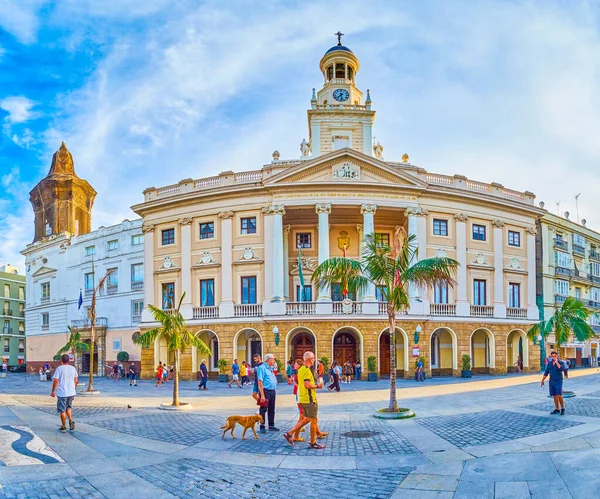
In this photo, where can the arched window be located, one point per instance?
(350, 73)
(340, 71)
(330, 72)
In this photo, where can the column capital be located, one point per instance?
(416, 211)
(287, 229)
(360, 228)
(185, 221)
(225, 215)
(498, 223)
(461, 217)
(323, 208)
(369, 209)
(147, 227)
(274, 209)
(531, 230)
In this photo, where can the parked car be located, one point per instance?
(18, 369)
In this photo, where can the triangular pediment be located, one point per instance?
(348, 166)
(42, 271)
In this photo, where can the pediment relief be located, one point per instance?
(248, 256)
(43, 271)
(308, 266)
(345, 166)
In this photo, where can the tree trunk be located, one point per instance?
(176, 379)
(90, 387)
(393, 405)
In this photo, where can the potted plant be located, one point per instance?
(279, 371)
(372, 368)
(223, 376)
(325, 362)
(422, 359)
(466, 367)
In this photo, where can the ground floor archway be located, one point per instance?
(347, 346)
(246, 343)
(162, 352)
(384, 351)
(517, 347)
(86, 358)
(211, 339)
(442, 352)
(298, 341)
(482, 351)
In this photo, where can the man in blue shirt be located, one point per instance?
(555, 369)
(267, 386)
(235, 374)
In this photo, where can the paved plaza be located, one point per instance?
(489, 437)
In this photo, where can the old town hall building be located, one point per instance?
(232, 242)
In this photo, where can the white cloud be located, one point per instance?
(19, 109)
(20, 17)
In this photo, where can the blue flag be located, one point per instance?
(80, 302)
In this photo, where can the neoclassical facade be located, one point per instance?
(235, 244)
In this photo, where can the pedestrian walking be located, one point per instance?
(243, 373)
(64, 387)
(519, 364)
(4, 366)
(348, 371)
(567, 364)
(267, 387)
(132, 374)
(308, 400)
(115, 372)
(357, 369)
(171, 371)
(289, 371)
(235, 374)
(555, 370)
(159, 373)
(255, 392)
(420, 376)
(203, 373)
(335, 373)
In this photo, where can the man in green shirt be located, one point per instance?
(307, 398)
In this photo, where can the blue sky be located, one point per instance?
(146, 93)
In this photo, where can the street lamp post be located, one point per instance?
(276, 334)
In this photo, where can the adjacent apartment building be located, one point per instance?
(12, 315)
(569, 265)
(233, 242)
(66, 261)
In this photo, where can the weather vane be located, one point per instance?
(339, 34)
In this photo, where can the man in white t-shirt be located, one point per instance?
(64, 387)
(4, 366)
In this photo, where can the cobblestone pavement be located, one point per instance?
(49, 489)
(488, 427)
(589, 407)
(174, 427)
(385, 441)
(195, 478)
(85, 411)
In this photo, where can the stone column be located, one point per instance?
(286, 262)
(324, 305)
(226, 308)
(532, 309)
(370, 305)
(422, 255)
(149, 293)
(275, 265)
(463, 308)
(186, 266)
(499, 303)
(413, 291)
(268, 265)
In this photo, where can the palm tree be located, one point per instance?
(568, 319)
(74, 344)
(392, 270)
(174, 328)
(96, 290)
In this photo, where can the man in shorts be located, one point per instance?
(307, 396)
(235, 374)
(64, 387)
(555, 368)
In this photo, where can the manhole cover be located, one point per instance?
(360, 434)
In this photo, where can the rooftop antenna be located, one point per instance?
(577, 206)
(558, 208)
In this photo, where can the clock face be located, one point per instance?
(341, 95)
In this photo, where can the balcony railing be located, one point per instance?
(353, 308)
(560, 244)
(137, 285)
(247, 310)
(593, 304)
(112, 289)
(560, 298)
(595, 328)
(301, 308)
(382, 307)
(580, 250)
(443, 309)
(7, 330)
(89, 293)
(21, 332)
(45, 327)
(516, 313)
(86, 323)
(45, 299)
(21, 313)
(594, 255)
(7, 311)
(563, 271)
(205, 312)
(482, 311)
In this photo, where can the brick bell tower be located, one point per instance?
(62, 202)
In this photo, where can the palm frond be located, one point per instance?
(431, 271)
(340, 270)
(149, 337)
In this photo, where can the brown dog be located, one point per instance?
(245, 421)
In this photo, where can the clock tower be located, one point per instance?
(339, 117)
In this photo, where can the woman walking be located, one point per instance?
(335, 372)
(348, 371)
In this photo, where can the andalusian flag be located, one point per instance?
(300, 274)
